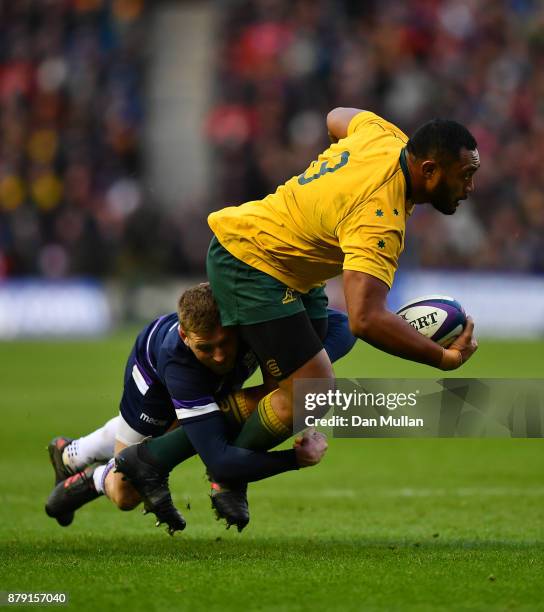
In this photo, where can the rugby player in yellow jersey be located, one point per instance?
(346, 213)
(269, 261)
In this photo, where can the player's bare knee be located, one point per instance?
(320, 370)
(282, 405)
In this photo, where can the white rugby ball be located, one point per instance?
(438, 317)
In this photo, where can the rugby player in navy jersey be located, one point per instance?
(184, 368)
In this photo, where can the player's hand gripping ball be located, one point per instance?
(438, 317)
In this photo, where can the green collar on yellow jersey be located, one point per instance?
(404, 168)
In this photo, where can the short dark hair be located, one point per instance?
(197, 310)
(441, 139)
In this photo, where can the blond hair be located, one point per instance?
(197, 310)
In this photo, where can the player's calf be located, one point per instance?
(119, 490)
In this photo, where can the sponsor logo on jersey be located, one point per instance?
(147, 419)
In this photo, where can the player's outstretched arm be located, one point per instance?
(232, 463)
(371, 321)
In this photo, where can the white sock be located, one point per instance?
(97, 446)
(99, 476)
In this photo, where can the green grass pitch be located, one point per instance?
(380, 525)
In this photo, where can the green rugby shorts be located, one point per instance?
(246, 295)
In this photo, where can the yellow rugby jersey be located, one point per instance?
(346, 211)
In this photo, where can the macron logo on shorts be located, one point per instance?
(147, 419)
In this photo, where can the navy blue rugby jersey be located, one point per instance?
(162, 357)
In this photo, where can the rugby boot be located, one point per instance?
(72, 493)
(230, 503)
(55, 449)
(152, 485)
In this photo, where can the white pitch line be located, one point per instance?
(411, 492)
(463, 492)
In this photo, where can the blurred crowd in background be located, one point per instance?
(285, 63)
(71, 112)
(72, 109)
